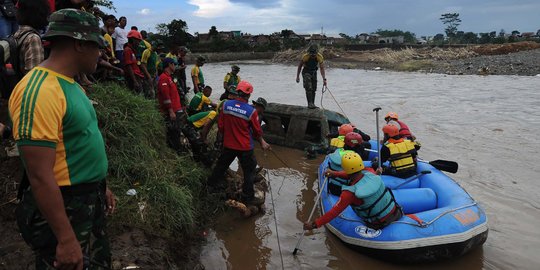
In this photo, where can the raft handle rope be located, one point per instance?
(324, 89)
(424, 224)
(275, 218)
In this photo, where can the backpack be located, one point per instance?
(10, 65)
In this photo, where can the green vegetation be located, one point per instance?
(170, 198)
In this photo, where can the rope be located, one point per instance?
(423, 225)
(8, 202)
(284, 164)
(324, 89)
(275, 219)
(281, 160)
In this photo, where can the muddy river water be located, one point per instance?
(489, 125)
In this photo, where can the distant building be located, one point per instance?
(527, 34)
(256, 39)
(337, 41)
(421, 41)
(227, 35)
(363, 38)
(392, 40)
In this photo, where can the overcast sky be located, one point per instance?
(335, 16)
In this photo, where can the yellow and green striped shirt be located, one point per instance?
(51, 110)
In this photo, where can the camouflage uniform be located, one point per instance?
(84, 202)
(309, 74)
(86, 213)
(182, 125)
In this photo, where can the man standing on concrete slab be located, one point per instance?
(310, 62)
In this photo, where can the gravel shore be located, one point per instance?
(524, 63)
(521, 59)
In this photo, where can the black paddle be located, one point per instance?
(445, 165)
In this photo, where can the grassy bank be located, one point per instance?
(170, 198)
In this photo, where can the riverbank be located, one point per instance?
(507, 59)
(162, 204)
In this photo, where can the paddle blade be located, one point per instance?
(445, 165)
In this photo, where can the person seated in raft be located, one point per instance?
(400, 152)
(392, 119)
(343, 130)
(337, 140)
(354, 142)
(335, 184)
(366, 194)
(201, 102)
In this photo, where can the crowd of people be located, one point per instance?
(62, 49)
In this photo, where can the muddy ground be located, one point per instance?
(130, 246)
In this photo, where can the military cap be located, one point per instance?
(201, 59)
(260, 101)
(76, 24)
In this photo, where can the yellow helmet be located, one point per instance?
(351, 162)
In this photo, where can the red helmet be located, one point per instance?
(353, 139)
(391, 130)
(344, 129)
(391, 115)
(134, 34)
(245, 87)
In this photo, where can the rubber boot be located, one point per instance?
(308, 95)
(311, 100)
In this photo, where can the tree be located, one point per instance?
(213, 32)
(516, 33)
(484, 38)
(286, 33)
(105, 3)
(438, 38)
(502, 33)
(174, 33)
(470, 38)
(452, 21)
(345, 36)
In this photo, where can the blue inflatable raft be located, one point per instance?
(441, 219)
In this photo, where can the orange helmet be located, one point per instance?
(344, 129)
(391, 130)
(134, 34)
(353, 139)
(245, 87)
(392, 115)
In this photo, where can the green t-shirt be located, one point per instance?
(51, 110)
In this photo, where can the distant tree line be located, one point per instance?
(453, 36)
(175, 33)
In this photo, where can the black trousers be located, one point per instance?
(248, 163)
